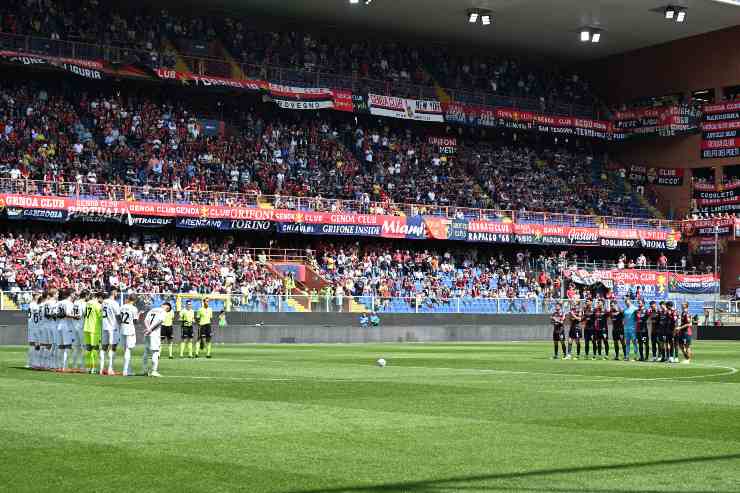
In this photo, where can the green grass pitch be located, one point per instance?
(440, 418)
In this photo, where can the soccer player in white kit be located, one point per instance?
(50, 328)
(152, 334)
(111, 332)
(41, 335)
(65, 326)
(129, 316)
(34, 336)
(78, 320)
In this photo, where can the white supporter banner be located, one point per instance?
(406, 109)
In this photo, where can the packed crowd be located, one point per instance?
(519, 178)
(145, 31)
(132, 264)
(109, 138)
(434, 278)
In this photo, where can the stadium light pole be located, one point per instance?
(716, 248)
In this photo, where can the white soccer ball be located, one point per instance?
(380, 363)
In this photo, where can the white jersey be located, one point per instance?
(129, 315)
(79, 311)
(64, 311)
(154, 318)
(48, 309)
(34, 317)
(111, 311)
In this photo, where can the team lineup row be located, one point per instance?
(91, 326)
(658, 330)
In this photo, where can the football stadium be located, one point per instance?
(370, 246)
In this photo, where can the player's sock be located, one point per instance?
(190, 348)
(555, 349)
(65, 358)
(570, 348)
(111, 356)
(170, 349)
(155, 361)
(126, 360)
(578, 348)
(29, 357)
(145, 360)
(209, 345)
(182, 349)
(606, 347)
(101, 357)
(197, 348)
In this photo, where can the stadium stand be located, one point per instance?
(210, 46)
(55, 135)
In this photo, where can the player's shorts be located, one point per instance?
(589, 334)
(79, 336)
(575, 333)
(604, 334)
(42, 335)
(33, 335)
(665, 336)
(620, 333)
(52, 335)
(642, 336)
(630, 335)
(92, 338)
(684, 339)
(654, 336)
(187, 332)
(128, 341)
(153, 342)
(66, 336)
(166, 332)
(111, 337)
(558, 335)
(205, 331)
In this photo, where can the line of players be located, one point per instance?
(658, 330)
(70, 333)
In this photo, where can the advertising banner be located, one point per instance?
(651, 285)
(694, 284)
(720, 125)
(443, 145)
(404, 108)
(717, 199)
(88, 69)
(193, 216)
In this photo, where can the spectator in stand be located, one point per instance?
(133, 141)
(142, 34)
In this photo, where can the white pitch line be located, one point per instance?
(239, 379)
(730, 371)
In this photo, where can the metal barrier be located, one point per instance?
(309, 204)
(607, 265)
(728, 312)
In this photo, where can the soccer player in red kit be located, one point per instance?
(558, 330)
(575, 332)
(685, 333)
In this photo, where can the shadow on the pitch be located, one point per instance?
(461, 483)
